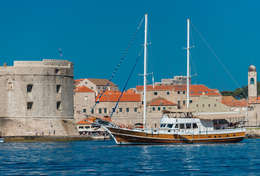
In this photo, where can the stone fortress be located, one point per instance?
(37, 98)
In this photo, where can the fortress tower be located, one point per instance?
(36, 98)
(252, 83)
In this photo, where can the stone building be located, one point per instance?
(36, 97)
(97, 85)
(176, 80)
(84, 101)
(177, 94)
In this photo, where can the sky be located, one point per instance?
(94, 35)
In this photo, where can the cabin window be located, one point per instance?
(188, 125)
(182, 126)
(155, 93)
(29, 87)
(177, 126)
(169, 125)
(120, 109)
(163, 125)
(252, 81)
(194, 125)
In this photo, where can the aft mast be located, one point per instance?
(188, 63)
(145, 71)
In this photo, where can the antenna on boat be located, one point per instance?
(188, 63)
(145, 74)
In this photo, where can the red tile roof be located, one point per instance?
(77, 81)
(83, 89)
(112, 96)
(231, 101)
(161, 102)
(195, 90)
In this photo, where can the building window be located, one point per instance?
(183, 102)
(183, 92)
(57, 70)
(99, 110)
(209, 105)
(29, 87)
(113, 109)
(29, 105)
(92, 111)
(105, 110)
(215, 105)
(190, 101)
(84, 110)
(135, 109)
(120, 109)
(127, 109)
(203, 105)
(178, 92)
(168, 93)
(153, 108)
(58, 105)
(164, 108)
(252, 81)
(155, 93)
(159, 108)
(58, 88)
(197, 105)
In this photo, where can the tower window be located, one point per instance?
(58, 88)
(252, 81)
(58, 105)
(29, 87)
(57, 70)
(29, 105)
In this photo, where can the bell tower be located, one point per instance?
(252, 83)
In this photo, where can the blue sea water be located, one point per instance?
(107, 158)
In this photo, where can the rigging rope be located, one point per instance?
(218, 59)
(125, 53)
(126, 83)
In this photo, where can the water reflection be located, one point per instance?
(106, 158)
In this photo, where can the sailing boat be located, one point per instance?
(179, 126)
